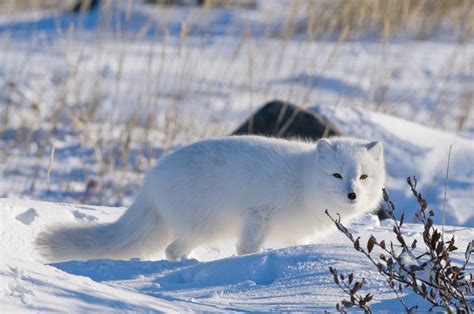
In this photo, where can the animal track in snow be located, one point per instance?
(27, 217)
(82, 216)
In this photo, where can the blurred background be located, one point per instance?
(93, 93)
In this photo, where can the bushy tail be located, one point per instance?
(138, 233)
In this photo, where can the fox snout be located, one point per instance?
(352, 196)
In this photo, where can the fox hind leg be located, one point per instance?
(180, 249)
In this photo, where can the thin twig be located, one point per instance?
(50, 165)
(381, 272)
(446, 190)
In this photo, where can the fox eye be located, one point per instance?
(337, 175)
(363, 177)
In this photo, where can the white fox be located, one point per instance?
(252, 187)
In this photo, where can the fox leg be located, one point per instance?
(180, 249)
(254, 231)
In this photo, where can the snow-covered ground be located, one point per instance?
(112, 94)
(289, 279)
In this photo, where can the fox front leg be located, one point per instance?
(254, 230)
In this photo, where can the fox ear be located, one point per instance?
(375, 149)
(324, 148)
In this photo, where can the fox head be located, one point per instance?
(351, 172)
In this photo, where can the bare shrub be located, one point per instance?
(424, 268)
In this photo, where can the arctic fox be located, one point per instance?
(250, 187)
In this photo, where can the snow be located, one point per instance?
(405, 93)
(287, 279)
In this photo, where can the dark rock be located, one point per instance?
(243, 4)
(283, 119)
(381, 212)
(85, 6)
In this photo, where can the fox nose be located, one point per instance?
(352, 196)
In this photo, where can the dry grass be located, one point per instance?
(350, 18)
(386, 18)
(17, 6)
(164, 110)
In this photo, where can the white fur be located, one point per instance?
(251, 187)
